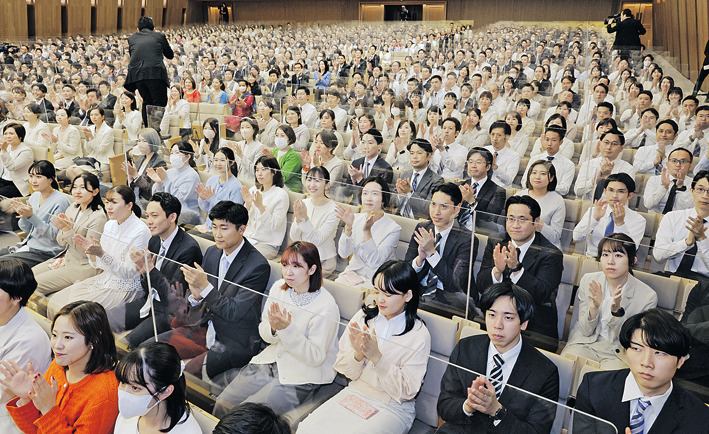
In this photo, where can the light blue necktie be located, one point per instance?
(610, 228)
(638, 420)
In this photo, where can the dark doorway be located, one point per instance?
(396, 13)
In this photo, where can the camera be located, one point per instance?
(611, 19)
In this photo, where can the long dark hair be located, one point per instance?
(127, 195)
(46, 169)
(214, 125)
(159, 363)
(398, 277)
(230, 160)
(92, 180)
(270, 163)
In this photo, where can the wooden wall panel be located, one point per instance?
(174, 12)
(153, 9)
(79, 17)
(131, 13)
(486, 12)
(47, 18)
(13, 20)
(106, 16)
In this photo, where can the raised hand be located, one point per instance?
(196, 278)
(595, 296)
(344, 213)
(204, 192)
(18, 381)
(43, 394)
(599, 208)
(278, 319)
(63, 222)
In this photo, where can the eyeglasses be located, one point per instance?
(676, 161)
(701, 191)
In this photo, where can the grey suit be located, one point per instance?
(419, 200)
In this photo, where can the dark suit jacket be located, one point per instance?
(108, 102)
(73, 109)
(532, 372)
(696, 320)
(543, 264)
(147, 48)
(454, 267)
(628, 33)
(373, 61)
(419, 199)
(143, 182)
(235, 312)
(601, 393)
(490, 202)
(381, 169)
(360, 67)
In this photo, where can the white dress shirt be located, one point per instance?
(671, 235)
(655, 195)
(565, 171)
(510, 358)
(566, 149)
(164, 247)
(522, 251)
(553, 215)
(632, 392)
(450, 163)
(435, 258)
(507, 162)
(634, 137)
(644, 161)
(684, 140)
(634, 227)
(586, 180)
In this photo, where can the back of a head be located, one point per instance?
(252, 418)
(146, 23)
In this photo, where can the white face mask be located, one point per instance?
(646, 63)
(395, 111)
(131, 406)
(242, 89)
(359, 112)
(209, 134)
(177, 161)
(280, 142)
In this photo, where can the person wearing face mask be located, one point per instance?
(288, 158)
(138, 179)
(180, 181)
(151, 392)
(242, 104)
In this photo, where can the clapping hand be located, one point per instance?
(22, 209)
(599, 208)
(344, 213)
(43, 394)
(16, 380)
(364, 343)
(158, 175)
(91, 246)
(204, 192)
(138, 258)
(129, 168)
(403, 186)
(63, 222)
(299, 210)
(277, 319)
(356, 175)
(196, 278)
(482, 397)
(595, 296)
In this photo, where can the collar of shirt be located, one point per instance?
(510, 358)
(444, 237)
(632, 392)
(230, 257)
(168, 241)
(387, 328)
(421, 173)
(370, 162)
(523, 248)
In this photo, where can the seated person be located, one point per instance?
(267, 124)
(518, 140)
(697, 139)
(604, 300)
(505, 163)
(439, 250)
(252, 418)
(178, 106)
(180, 181)
(242, 103)
(565, 169)
(119, 282)
(169, 247)
(218, 294)
(359, 125)
(323, 154)
(448, 157)
(398, 155)
(643, 398)
(589, 185)
(480, 193)
(294, 120)
(153, 371)
(249, 149)
(681, 239)
(567, 145)
(148, 145)
(477, 403)
(85, 217)
(36, 215)
(84, 359)
(299, 323)
(66, 140)
(646, 133)
(369, 237)
(694, 318)
(415, 185)
(315, 219)
(267, 203)
(22, 340)
(668, 191)
(128, 117)
(541, 186)
(223, 186)
(203, 153)
(385, 368)
(528, 259)
(649, 159)
(610, 214)
(288, 159)
(16, 158)
(371, 164)
(98, 145)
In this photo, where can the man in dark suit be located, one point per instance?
(644, 397)
(481, 194)
(69, 103)
(471, 403)
(85, 107)
(372, 58)
(146, 71)
(439, 250)
(628, 31)
(228, 288)
(415, 186)
(300, 76)
(342, 72)
(39, 91)
(372, 164)
(358, 63)
(107, 101)
(168, 248)
(527, 258)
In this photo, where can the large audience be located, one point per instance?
(431, 169)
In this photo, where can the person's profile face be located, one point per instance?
(652, 369)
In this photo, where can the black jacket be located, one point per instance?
(628, 34)
(147, 48)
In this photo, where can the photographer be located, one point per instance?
(628, 31)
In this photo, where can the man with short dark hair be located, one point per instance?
(469, 402)
(669, 191)
(528, 259)
(414, 186)
(628, 31)
(505, 163)
(480, 193)
(643, 399)
(593, 172)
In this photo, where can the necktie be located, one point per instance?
(366, 170)
(610, 227)
(685, 265)
(671, 198)
(475, 188)
(642, 141)
(466, 213)
(638, 420)
(161, 256)
(432, 279)
(496, 374)
(550, 158)
(223, 268)
(414, 181)
(441, 165)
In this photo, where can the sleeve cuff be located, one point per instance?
(434, 259)
(465, 411)
(205, 292)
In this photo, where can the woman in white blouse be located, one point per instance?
(177, 106)
(66, 141)
(384, 352)
(432, 126)
(16, 158)
(302, 135)
(518, 141)
(36, 131)
(99, 145)
(392, 122)
(119, 283)
(541, 184)
(398, 156)
(315, 219)
(249, 149)
(268, 204)
(322, 154)
(204, 153)
(370, 236)
(472, 135)
(300, 324)
(266, 123)
(129, 117)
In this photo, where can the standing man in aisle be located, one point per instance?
(146, 71)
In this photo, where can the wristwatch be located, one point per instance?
(618, 313)
(517, 268)
(499, 414)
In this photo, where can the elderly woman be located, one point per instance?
(138, 179)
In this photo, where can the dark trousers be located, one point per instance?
(8, 189)
(703, 73)
(154, 93)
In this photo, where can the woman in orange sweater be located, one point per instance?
(78, 393)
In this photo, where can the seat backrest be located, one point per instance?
(206, 421)
(667, 289)
(118, 176)
(584, 370)
(203, 243)
(349, 299)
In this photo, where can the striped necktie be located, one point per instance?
(638, 420)
(496, 374)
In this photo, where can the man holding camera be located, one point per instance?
(628, 31)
